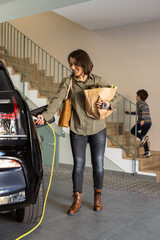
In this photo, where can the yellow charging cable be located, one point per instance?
(49, 185)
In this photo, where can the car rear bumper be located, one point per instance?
(19, 186)
(12, 185)
(13, 198)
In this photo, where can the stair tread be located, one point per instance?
(141, 158)
(121, 135)
(155, 169)
(125, 146)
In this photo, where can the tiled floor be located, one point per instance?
(127, 214)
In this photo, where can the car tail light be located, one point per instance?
(9, 163)
(8, 119)
(12, 115)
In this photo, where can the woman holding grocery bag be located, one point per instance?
(83, 128)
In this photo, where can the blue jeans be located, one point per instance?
(97, 144)
(141, 132)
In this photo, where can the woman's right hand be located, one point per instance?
(40, 120)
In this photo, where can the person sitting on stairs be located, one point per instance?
(144, 121)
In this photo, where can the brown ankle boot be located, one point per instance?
(97, 200)
(76, 203)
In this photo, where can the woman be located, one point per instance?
(83, 129)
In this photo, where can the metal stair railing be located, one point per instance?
(36, 65)
(118, 121)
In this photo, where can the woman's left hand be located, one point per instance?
(99, 104)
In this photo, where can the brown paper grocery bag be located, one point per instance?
(94, 95)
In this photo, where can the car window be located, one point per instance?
(4, 81)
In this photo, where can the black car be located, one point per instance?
(21, 171)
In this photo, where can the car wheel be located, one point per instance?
(33, 212)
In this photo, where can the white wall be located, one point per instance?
(133, 58)
(126, 56)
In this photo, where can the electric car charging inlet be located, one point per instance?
(49, 185)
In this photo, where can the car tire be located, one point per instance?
(33, 212)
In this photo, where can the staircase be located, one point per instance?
(43, 72)
(36, 78)
(31, 92)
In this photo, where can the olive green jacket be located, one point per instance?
(80, 123)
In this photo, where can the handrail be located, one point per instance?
(45, 73)
(123, 128)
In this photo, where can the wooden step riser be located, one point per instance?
(113, 131)
(27, 64)
(17, 60)
(153, 161)
(30, 69)
(46, 89)
(37, 75)
(43, 85)
(41, 94)
(114, 125)
(139, 151)
(48, 81)
(125, 141)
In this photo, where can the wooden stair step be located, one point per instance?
(16, 62)
(113, 130)
(147, 163)
(139, 151)
(139, 157)
(30, 68)
(48, 89)
(15, 59)
(126, 146)
(39, 79)
(154, 169)
(40, 73)
(53, 94)
(124, 140)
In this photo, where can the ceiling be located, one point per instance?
(100, 14)
(91, 14)
(14, 9)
